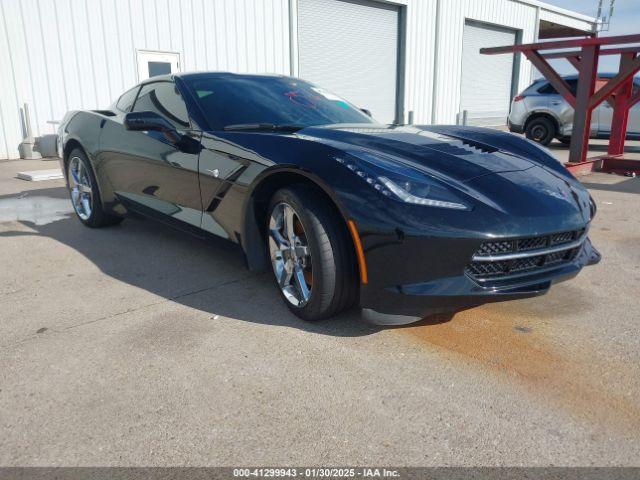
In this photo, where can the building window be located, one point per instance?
(154, 63)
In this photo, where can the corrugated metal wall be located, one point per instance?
(60, 55)
(421, 42)
(423, 49)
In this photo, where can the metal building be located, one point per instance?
(401, 59)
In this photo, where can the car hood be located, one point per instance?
(457, 158)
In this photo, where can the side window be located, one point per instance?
(163, 98)
(547, 89)
(126, 99)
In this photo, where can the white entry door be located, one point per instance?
(151, 64)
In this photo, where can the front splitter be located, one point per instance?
(387, 319)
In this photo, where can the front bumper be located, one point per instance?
(452, 293)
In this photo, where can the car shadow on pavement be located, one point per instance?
(630, 185)
(208, 275)
(594, 147)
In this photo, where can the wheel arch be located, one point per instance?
(69, 146)
(256, 206)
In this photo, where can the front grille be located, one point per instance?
(524, 255)
(484, 270)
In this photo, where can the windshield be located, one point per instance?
(249, 99)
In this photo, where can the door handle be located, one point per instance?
(215, 172)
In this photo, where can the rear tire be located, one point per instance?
(329, 270)
(565, 140)
(540, 130)
(84, 193)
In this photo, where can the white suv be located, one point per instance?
(542, 114)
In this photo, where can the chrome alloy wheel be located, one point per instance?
(80, 187)
(290, 254)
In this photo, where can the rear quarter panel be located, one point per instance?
(83, 127)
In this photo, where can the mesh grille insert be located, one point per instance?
(526, 244)
(560, 238)
(532, 243)
(493, 248)
(482, 270)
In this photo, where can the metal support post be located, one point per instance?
(582, 118)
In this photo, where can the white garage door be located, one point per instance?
(351, 48)
(486, 79)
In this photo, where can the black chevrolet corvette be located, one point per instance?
(405, 220)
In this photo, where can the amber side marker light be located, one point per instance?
(359, 252)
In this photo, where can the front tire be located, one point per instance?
(541, 130)
(84, 193)
(313, 263)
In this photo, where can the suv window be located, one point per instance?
(163, 98)
(547, 88)
(126, 99)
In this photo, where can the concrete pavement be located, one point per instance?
(138, 345)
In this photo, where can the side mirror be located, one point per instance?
(366, 112)
(151, 121)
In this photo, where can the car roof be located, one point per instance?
(208, 74)
(636, 80)
(213, 74)
(157, 78)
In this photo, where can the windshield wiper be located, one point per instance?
(273, 127)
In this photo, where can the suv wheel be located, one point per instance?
(541, 130)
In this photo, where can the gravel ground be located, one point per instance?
(138, 345)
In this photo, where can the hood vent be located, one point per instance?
(480, 147)
(461, 147)
(471, 145)
(464, 145)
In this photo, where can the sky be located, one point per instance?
(625, 20)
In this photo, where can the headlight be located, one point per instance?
(403, 193)
(400, 182)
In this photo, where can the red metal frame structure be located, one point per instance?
(618, 91)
